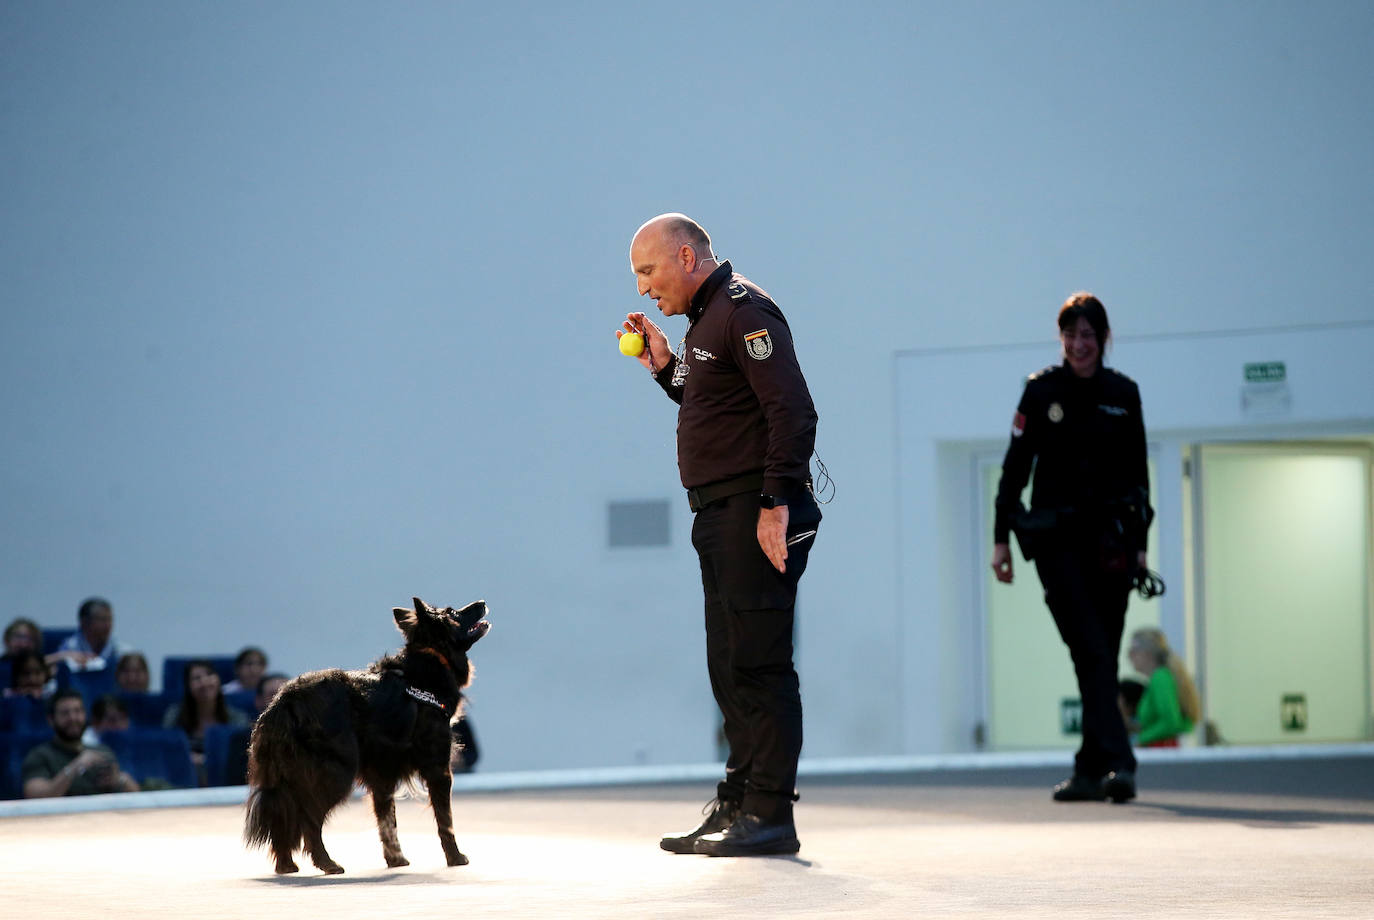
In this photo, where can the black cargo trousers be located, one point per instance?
(1088, 603)
(749, 628)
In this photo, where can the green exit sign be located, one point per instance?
(1266, 372)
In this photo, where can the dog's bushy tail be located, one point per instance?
(299, 769)
(272, 814)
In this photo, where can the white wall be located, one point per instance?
(308, 307)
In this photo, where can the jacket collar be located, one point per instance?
(707, 290)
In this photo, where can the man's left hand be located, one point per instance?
(773, 535)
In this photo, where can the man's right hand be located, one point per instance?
(1001, 562)
(655, 342)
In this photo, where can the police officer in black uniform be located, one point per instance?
(745, 432)
(1080, 425)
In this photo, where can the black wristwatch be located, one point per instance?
(771, 501)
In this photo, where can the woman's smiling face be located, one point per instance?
(1082, 350)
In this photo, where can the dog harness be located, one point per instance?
(425, 696)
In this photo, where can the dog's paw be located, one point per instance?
(286, 868)
(458, 859)
(395, 862)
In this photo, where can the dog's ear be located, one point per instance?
(405, 619)
(421, 606)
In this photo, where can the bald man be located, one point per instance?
(745, 432)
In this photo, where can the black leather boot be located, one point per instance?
(1119, 786)
(719, 813)
(750, 835)
(1079, 788)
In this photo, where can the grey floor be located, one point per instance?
(1245, 839)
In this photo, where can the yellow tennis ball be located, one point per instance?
(631, 344)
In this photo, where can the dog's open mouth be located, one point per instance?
(472, 620)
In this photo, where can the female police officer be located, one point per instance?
(1080, 425)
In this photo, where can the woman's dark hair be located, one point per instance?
(18, 663)
(19, 623)
(188, 718)
(106, 703)
(129, 657)
(245, 652)
(1090, 308)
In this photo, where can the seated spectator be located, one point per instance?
(92, 646)
(248, 670)
(67, 766)
(30, 676)
(268, 688)
(202, 704)
(23, 635)
(109, 714)
(1169, 706)
(131, 673)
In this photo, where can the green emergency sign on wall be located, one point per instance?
(1266, 372)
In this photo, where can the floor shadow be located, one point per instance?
(307, 880)
(1258, 817)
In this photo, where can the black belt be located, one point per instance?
(702, 496)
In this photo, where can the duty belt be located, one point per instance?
(702, 496)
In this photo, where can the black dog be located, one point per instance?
(329, 729)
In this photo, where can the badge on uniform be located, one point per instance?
(1018, 425)
(1056, 412)
(760, 344)
(737, 291)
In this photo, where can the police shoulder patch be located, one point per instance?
(760, 344)
(737, 291)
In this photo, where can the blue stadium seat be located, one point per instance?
(245, 701)
(92, 684)
(62, 673)
(148, 753)
(174, 666)
(53, 636)
(14, 746)
(145, 709)
(226, 754)
(24, 714)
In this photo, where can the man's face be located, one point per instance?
(664, 270)
(97, 626)
(69, 720)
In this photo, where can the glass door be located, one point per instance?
(1283, 592)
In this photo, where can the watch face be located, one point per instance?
(770, 501)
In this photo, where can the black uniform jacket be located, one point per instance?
(1086, 438)
(744, 405)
